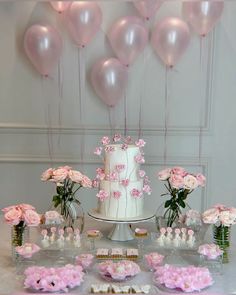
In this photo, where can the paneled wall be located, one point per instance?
(194, 124)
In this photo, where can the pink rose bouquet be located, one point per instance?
(222, 218)
(179, 184)
(68, 182)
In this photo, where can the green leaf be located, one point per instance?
(167, 203)
(181, 203)
(60, 190)
(56, 200)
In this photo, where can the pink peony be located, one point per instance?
(227, 218)
(59, 175)
(164, 174)
(86, 182)
(190, 182)
(201, 179)
(140, 143)
(102, 195)
(47, 174)
(31, 218)
(98, 151)
(13, 216)
(75, 176)
(176, 181)
(105, 140)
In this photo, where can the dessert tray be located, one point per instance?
(117, 254)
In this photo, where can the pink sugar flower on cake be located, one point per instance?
(141, 173)
(109, 149)
(95, 183)
(139, 159)
(117, 137)
(128, 140)
(120, 168)
(113, 176)
(124, 147)
(102, 195)
(98, 151)
(136, 193)
(27, 250)
(125, 182)
(100, 174)
(117, 195)
(140, 143)
(105, 140)
(146, 180)
(147, 189)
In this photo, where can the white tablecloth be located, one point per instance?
(11, 283)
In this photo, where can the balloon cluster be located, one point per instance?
(128, 37)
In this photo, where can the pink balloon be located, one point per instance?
(83, 20)
(170, 39)
(203, 15)
(128, 37)
(109, 79)
(60, 6)
(148, 8)
(43, 46)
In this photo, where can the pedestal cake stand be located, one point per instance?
(121, 230)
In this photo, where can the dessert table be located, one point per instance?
(11, 281)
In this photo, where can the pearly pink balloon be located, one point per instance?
(128, 37)
(83, 20)
(43, 46)
(148, 8)
(170, 39)
(203, 15)
(60, 6)
(109, 79)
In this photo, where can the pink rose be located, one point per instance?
(227, 218)
(68, 168)
(113, 176)
(59, 175)
(176, 181)
(220, 206)
(141, 173)
(98, 151)
(124, 147)
(86, 182)
(102, 195)
(164, 174)
(75, 176)
(117, 137)
(105, 140)
(140, 143)
(178, 171)
(128, 140)
(139, 159)
(109, 149)
(31, 218)
(47, 174)
(136, 193)
(95, 183)
(26, 207)
(190, 182)
(13, 216)
(147, 189)
(100, 173)
(201, 179)
(211, 216)
(9, 208)
(116, 194)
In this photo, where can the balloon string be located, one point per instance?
(60, 91)
(81, 83)
(111, 124)
(125, 114)
(48, 121)
(166, 113)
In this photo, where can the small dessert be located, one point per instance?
(85, 260)
(93, 233)
(140, 289)
(117, 253)
(100, 289)
(141, 232)
(132, 253)
(102, 253)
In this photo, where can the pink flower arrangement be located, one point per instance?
(68, 182)
(27, 250)
(85, 260)
(52, 279)
(220, 215)
(180, 184)
(211, 251)
(186, 279)
(118, 270)
(153, 260)
(22, 214)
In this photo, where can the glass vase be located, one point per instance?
(19, 236)
(73, 214)
(221, 235)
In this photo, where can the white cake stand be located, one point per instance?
(121, 230)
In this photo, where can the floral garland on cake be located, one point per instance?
(106, 146)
